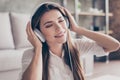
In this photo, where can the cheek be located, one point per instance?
(48, 34)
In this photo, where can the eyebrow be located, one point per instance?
(51, 21)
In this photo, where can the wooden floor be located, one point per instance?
(102, 68)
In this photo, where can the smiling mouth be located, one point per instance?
(61, 34)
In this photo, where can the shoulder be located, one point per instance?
(28, 55)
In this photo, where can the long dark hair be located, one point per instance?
(67, 46)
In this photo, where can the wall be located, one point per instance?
(22, 6)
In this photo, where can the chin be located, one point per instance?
(61, 41)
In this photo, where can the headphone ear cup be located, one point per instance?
(67, 22)
(39, 35)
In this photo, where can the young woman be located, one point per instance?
(58, 57)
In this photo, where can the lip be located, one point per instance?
(60, 34)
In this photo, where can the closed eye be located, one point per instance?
(61, 21)
(48, 26)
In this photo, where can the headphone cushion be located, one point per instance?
(67, 22)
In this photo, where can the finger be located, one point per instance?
(31, 30)
(27, 31)
(70, 17)
(27, 28)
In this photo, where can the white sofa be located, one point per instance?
(13, 42)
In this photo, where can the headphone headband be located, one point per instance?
(35, 19)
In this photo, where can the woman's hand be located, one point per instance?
(73, 24)
(32, 37)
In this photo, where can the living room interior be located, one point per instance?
(97, 15)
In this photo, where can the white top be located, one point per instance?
(58, 70)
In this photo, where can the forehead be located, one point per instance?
(51, 15)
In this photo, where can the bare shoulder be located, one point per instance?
(28, 54)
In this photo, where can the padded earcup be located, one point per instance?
(67, 21)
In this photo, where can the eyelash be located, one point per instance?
(49, 25)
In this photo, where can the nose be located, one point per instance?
(58, 26)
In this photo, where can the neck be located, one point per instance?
(56, 49)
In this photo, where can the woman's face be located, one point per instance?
(53, 27)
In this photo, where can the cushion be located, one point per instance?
(6, 38)
(19, 22)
